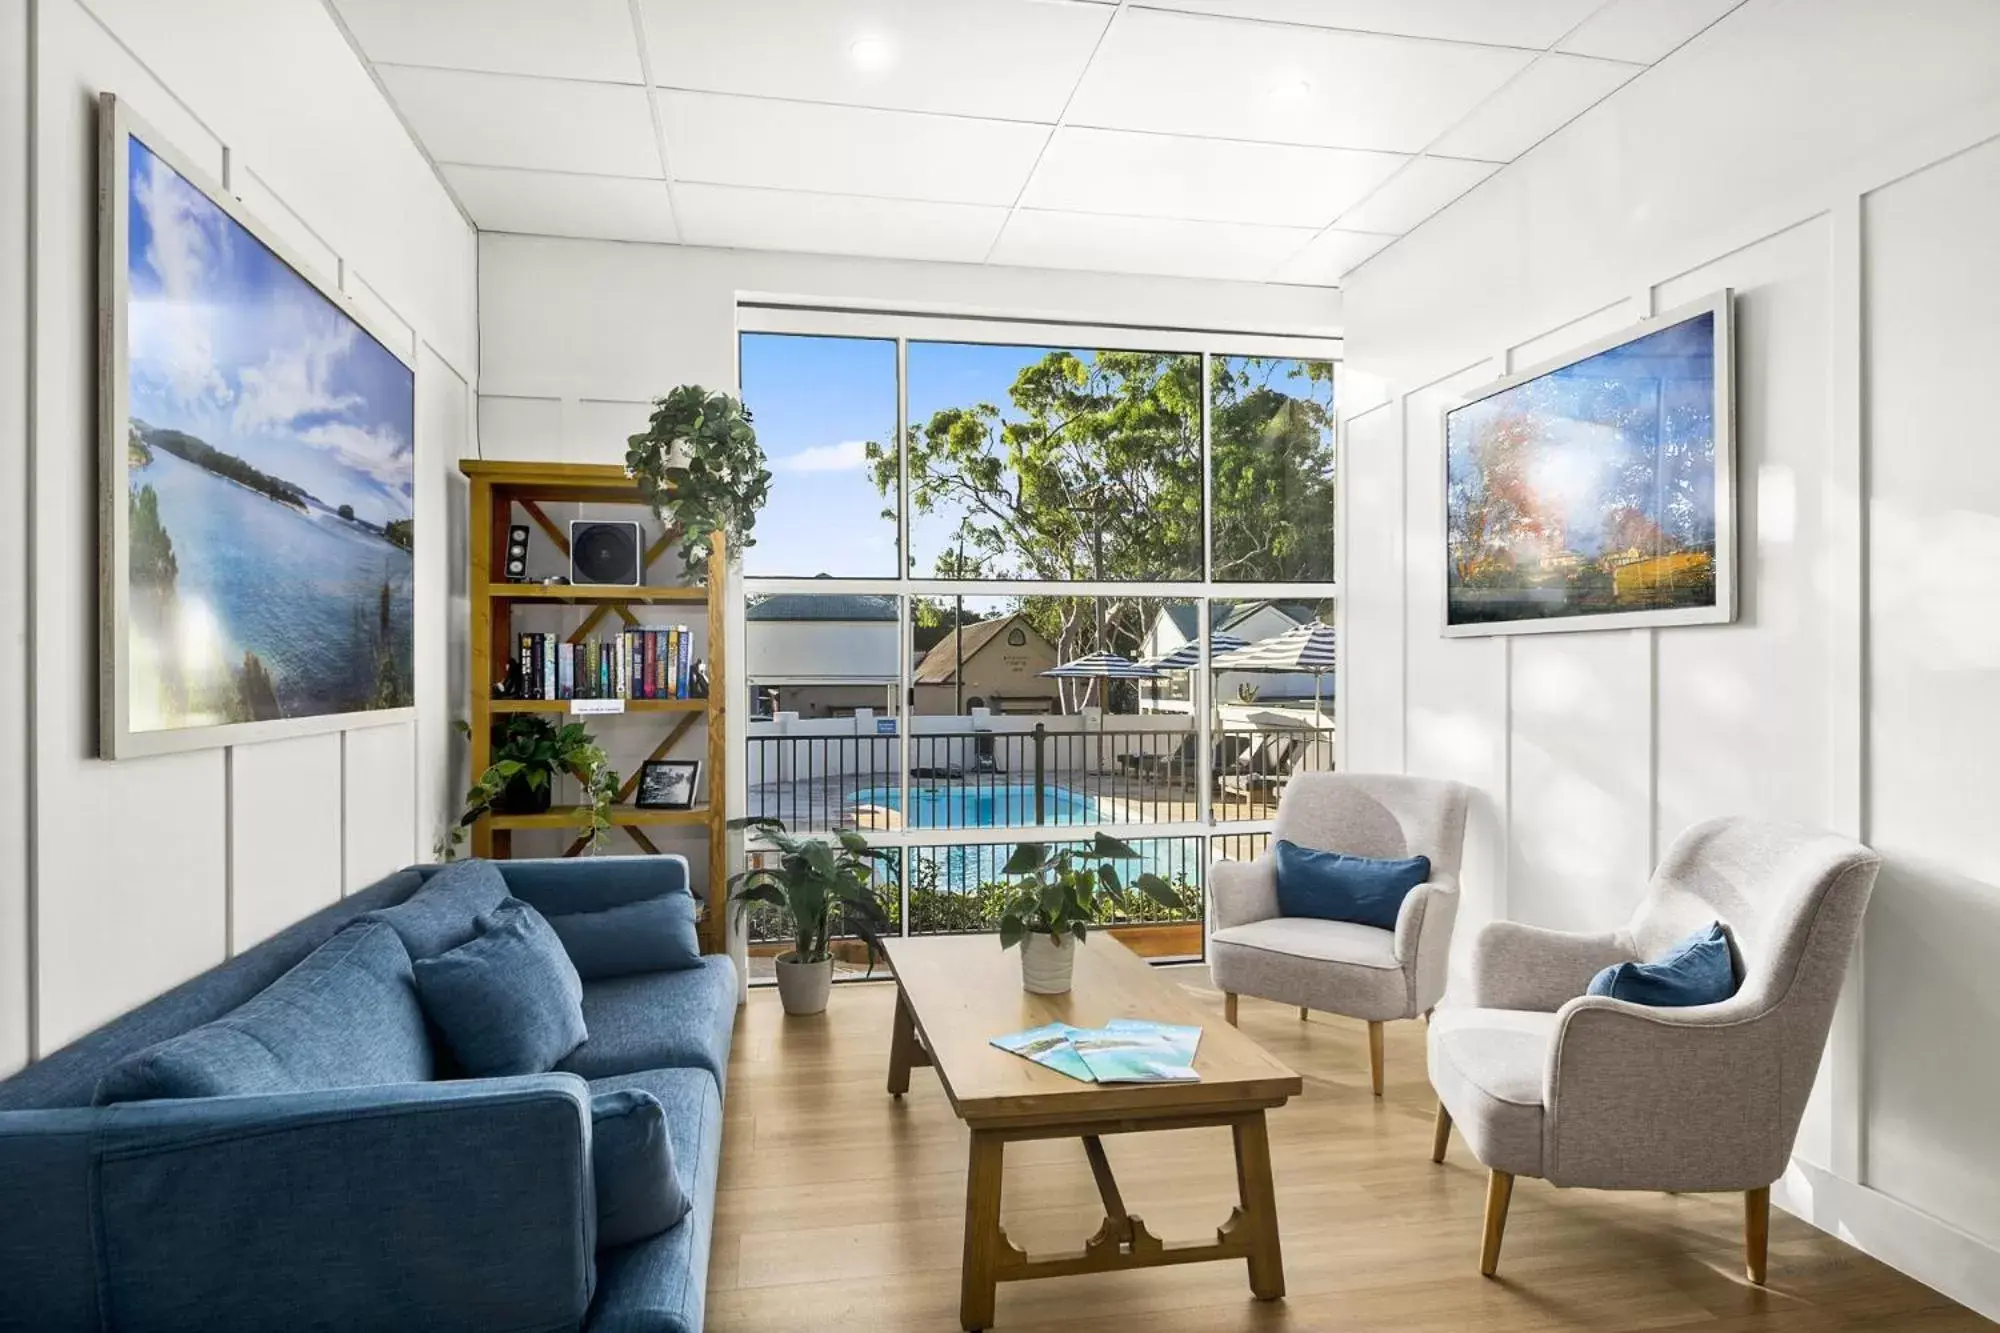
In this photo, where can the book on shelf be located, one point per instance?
(1125, 1050)
(638, 663)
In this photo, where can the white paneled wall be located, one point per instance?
(1857, 689)
(143, 872)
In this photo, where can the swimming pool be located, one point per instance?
(976, 805)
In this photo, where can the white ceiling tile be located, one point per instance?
(503, 120)
(1008, 59)
(549, 203)
(568, 39)
(1216, 180)
(1194, 74)
(1528, 23)
(847, 150)
(1414, 193)
(1644, 30)
(1548, 96)
(1234, 250)
(1323, 262)
(721, 215)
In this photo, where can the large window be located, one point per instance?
(1115, 611)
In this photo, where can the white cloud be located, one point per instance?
(847, 456)
(174, 335)
(379, 452)
(293, 381)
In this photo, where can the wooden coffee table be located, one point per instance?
(956, 993)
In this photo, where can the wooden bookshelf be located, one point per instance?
(506, 493)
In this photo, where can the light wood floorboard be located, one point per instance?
(841, 1207)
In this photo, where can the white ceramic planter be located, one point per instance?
(803, 987)
(1047, 962)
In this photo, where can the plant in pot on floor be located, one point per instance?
(528, 754)
(827, 889)
(1054, 898)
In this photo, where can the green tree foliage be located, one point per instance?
(154, 567)
(204, 455)
(257, 695)
(1271, 440)
(399, 532)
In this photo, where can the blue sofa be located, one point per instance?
(441, 1204)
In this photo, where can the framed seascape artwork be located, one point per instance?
(1597, 491)
(258, 474)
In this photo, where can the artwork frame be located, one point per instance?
(118, 736)
(659, 781)
(1720, 607)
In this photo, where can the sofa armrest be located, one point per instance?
(459, 1206)
(1526, 967)
(1423, 939)
(1242, 891)
(559, 885)
(1689, 1100)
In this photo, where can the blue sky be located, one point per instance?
(227, 343)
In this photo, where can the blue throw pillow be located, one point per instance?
(653, 935)
(445, 912)
(1695, 971)
(508, 1001)
(639, 1190)
(1336, 887)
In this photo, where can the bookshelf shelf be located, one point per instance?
(498, 491)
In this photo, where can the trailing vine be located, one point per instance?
(700, 467)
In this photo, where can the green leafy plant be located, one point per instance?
(530, 752)
(701, 469)
(1059, 893)
(826, 888)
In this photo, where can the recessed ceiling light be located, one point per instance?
(872, 53)
(1292, 89)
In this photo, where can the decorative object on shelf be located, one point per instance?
(1597, 491)
(827, 888)
(698, 681)
(531, 752)
(699, 465)
(605, 551)
(239, 521)
(668, 784)
(1049, 905)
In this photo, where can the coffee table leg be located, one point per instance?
(1260, 1207)
(902, 1047)
(978, 1277)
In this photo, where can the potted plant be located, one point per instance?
(528, 755)
(1055, 896)
(827, 889)
(701, 469)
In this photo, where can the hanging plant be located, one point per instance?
(701, 469)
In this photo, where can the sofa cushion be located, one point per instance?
(347, 1016)
(639, 1190)
(658, 1020)
(445, 912)
(508, 1001)
(1333, 886)
(658, 1285)
(652, 935)
(1287, 959)
(1488, 1066)
(1696, 970)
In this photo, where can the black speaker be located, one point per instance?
(603, 552)
(517, 553)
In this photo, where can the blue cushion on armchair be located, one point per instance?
(639, 1191)
(1336, 887)
(509, 1001)
(445, 912)
(1697, 970)
(346, 1016)
(655, 935)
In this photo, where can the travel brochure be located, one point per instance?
(1125, 1050)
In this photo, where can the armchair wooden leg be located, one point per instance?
(1229, 1007)
(1375, 1056)
(1499, 1190)
(1756, 1231)
(1302, 1013)
(1441, 1135)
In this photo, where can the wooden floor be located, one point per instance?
(841, 1208)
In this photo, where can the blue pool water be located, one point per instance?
(969, 805)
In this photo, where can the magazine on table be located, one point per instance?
(1126, 1050)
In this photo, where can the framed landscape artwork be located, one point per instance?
(1597, 491)
(258, 475)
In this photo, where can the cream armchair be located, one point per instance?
(1543, 1080)
(1338, 966)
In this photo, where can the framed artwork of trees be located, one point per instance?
(1597, 491)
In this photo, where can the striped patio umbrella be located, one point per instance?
(1309, 648)
(1188, 655)
(1102, 666)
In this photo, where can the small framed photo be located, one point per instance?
(668, 784)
